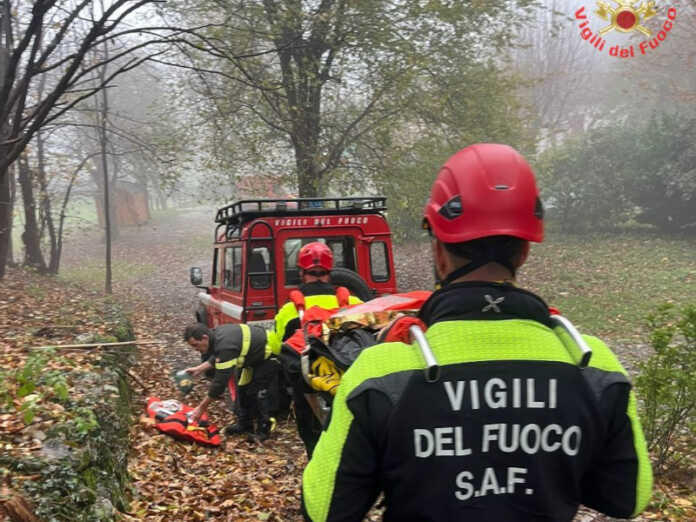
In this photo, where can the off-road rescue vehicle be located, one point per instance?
(256, 246)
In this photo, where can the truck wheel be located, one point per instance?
(353, 282)
(202, 315)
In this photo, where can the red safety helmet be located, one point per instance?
(485, 190)
(315, 255)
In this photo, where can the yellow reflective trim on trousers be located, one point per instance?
(453, 342)
(246, 342)
(245, 376)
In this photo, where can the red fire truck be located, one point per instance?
(256, 246)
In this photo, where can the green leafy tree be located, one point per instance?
(458, 106)
(583, 180)
(664, 185)
(615, 173)
(320, 76)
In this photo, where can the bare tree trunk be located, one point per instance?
(5, 217)
(104, 161)
(6, 43)
(308, 176)
(54, 263)
(44, 200)
(45, 204)
(13, 198)
(114, 171)
(32, 241)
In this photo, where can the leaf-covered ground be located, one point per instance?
(247, 481)
(36, 311)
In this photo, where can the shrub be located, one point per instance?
(583, 180)
(665, 178)
(666, 386)
(610, 175)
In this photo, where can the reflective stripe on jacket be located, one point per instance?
(235, 347)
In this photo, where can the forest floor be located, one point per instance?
(251, 481)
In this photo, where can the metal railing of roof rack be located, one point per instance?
(236, 211)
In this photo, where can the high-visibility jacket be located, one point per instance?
(513, 429)
(235, 349)
(287, 319)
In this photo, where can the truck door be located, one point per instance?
(212, 309)
(260, 300)
(230, 303)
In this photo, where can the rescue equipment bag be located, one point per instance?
(172, 418)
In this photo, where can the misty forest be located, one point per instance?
(126, 124)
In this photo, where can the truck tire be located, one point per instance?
(353, 282)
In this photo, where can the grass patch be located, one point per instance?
(80, 216)
(92, 273)
(608, 283)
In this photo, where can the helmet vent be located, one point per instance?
(452, 209)
(539, 209)
(501, 187)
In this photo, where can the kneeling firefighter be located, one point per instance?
(315, 261)
(240, 352)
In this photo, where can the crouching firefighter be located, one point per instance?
(239, 352)
(501, 410)
(315, 261)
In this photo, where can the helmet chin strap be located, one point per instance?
(472, 265)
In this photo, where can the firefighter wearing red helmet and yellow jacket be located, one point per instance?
(315, 261)
(501, 410)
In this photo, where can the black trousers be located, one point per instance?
(308, 426)
(255, 400)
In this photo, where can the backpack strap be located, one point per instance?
(579, 345)
(298, 300)
(342, 296)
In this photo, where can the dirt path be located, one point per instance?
(155, 259)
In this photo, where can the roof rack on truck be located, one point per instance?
(242, 211)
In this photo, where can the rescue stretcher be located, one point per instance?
(325, 356)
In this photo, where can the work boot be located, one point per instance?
(244, 424)
(263, 423)
(264, 431)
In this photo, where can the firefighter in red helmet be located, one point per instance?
(315, 261)
(518, 417)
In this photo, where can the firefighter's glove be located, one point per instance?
(325, 376)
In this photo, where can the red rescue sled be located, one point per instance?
(172, 419)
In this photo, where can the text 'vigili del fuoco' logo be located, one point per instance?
(625, 17)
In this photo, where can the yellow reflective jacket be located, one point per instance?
(287, 318)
